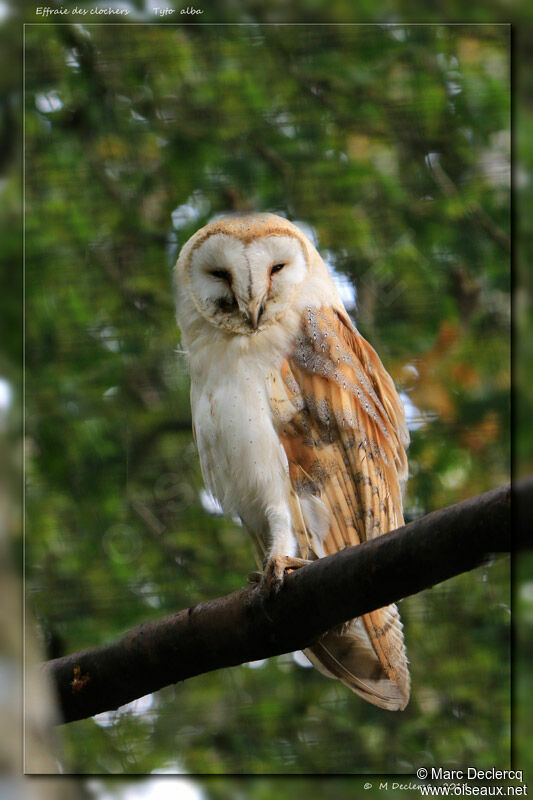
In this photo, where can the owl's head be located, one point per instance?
(241, 273)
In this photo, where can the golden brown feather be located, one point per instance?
(345, 443)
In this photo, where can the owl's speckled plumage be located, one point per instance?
(299, 428)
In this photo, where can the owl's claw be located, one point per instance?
(274, 570)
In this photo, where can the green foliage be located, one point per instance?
(393, 145)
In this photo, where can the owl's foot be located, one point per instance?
(274, 570)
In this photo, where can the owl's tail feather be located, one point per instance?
(368, 656)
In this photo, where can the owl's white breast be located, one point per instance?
(242, 460)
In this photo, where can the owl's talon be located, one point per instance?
(274, 570)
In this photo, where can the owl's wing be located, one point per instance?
(343, 429)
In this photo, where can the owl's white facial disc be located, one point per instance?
(243, 287)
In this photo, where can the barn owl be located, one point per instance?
(299, 428)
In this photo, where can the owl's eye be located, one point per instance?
(221, 274)
(276, 268)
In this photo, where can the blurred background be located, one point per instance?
(390, 146)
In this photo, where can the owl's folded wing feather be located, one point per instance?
(342, 426)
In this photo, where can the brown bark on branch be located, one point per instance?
(246, 626)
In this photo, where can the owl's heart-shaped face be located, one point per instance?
(244, 284)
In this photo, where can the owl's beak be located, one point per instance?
(254, 311)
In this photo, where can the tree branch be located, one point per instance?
(246, 626)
